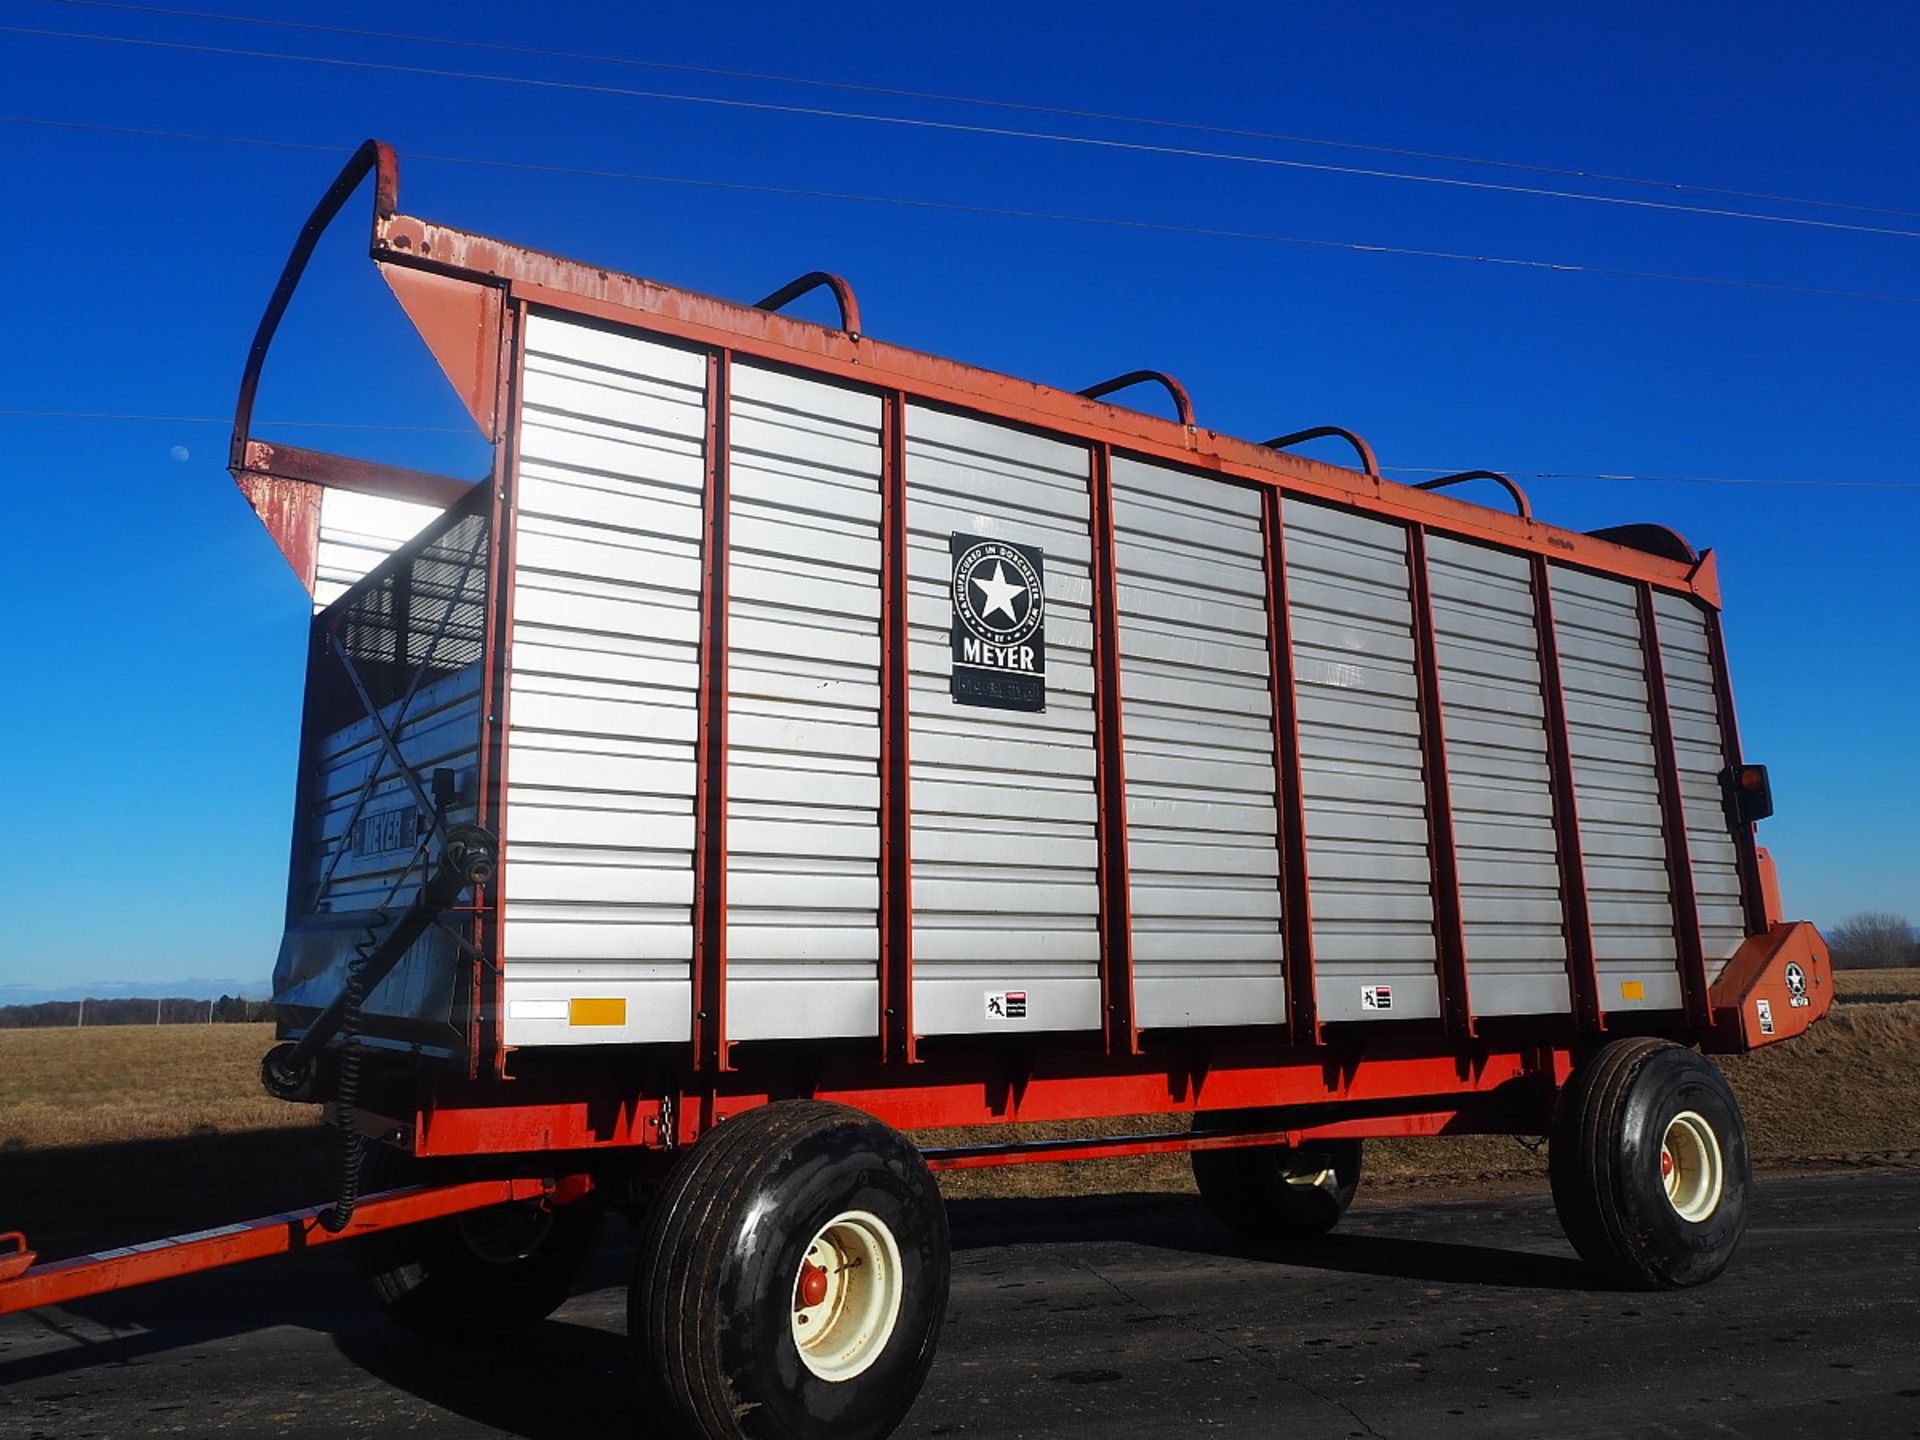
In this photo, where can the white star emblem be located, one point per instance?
(1000, 592)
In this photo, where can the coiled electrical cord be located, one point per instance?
(346, 1092)
(468, 856)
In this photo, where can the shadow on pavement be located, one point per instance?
(558, 1381)
(1183, 1223)
(567, 1378)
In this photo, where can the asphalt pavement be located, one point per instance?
(1424, 1316)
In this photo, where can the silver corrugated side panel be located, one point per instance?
(1698, 747)
(1616, 790)
(1197, 718)
(357, 532)
(803, 717)
(1368, 867)
(1499, 778)
(337, 891)
(441, 729)
(1004, 889)
(598, 873)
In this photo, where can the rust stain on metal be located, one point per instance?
(343, 472)
(290, 509)
(460, 321)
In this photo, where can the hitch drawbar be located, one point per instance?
(468, 856)
(24, 1287)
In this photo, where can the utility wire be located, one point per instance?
(228, 420)
(1004, 212)
(1607, 475)
(1395, 469)
(961, 128)
(1024, 107)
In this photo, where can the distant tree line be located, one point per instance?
(1874, 940)
(154, 1010)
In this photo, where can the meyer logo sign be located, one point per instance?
(999, 624)
(388, 830)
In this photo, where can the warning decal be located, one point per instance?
(1376, 997)
(999, 624)
(1006, 1005)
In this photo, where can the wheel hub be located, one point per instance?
(1691, 1167)
(847, 1295)
(506, 1234)
(813, 1286)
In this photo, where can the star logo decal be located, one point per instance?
(999, 630)
(1000, 592)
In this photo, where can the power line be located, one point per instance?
(1517, 474)
(149, 133)
(962, 128)
(228, 420)
(1002, 212)
(1612, 476)
(1025, 107)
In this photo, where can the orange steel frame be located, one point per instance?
(26, 1286)
(565, 1123)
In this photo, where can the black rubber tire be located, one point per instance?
(481, 1277)
(709, 1314)
(1605, 1162)
(1258, 1191)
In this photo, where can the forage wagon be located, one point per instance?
(794, 741)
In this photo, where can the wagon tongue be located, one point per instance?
(15, 1258)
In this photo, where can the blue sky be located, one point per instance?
(151, 660)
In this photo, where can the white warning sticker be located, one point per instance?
(1765, 1009)
(1006, 1005)
(1376, 997)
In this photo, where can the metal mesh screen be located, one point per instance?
(423, 611)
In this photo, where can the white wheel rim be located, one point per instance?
(1691, 1167)
(846, 1296)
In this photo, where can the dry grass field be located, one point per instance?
(63, 1087)
(1877, 985)
(177, 1112)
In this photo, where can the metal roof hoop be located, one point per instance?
(816, 280)
(1181, 401)
(1334, 432)
(1520, 503)
(373, 156)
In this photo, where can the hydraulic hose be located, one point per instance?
(467, 857)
